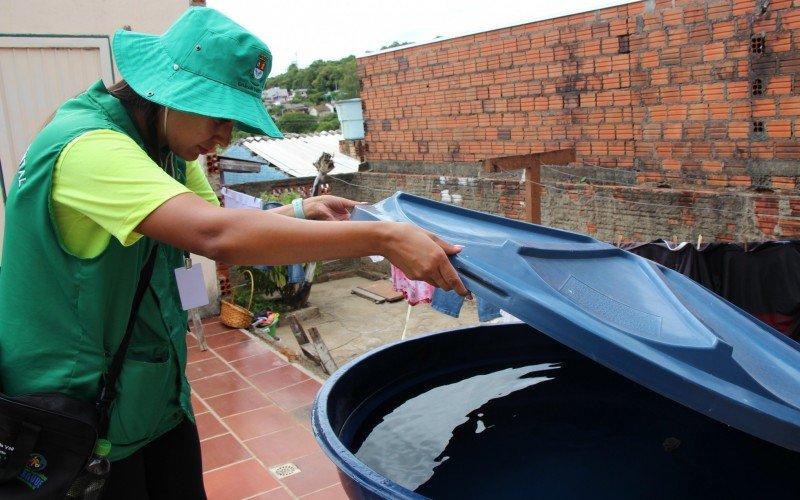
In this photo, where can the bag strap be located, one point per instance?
(23, 446)
(109, 391)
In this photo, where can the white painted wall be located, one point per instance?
(88, 17)
(36, 75)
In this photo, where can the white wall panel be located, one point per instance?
(37, 74)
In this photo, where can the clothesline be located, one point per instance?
(368, 188)
(628, 173)
(578, 176)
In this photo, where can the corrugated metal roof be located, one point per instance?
(266, 174)
(295, 154)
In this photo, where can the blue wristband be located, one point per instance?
(297, 204)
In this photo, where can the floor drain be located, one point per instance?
(284, 470)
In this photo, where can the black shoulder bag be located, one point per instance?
(46, 439)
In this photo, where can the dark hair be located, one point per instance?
(134, 102)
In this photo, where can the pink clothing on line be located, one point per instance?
(414, 291)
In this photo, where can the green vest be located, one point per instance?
(62, 318)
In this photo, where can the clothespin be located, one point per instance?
(674, 239)
(187, 260)
(699, 240)
(619, 240)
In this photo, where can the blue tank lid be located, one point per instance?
(642, 320)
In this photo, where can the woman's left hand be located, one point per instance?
(327, 207)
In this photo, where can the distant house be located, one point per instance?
(322, 109)
(299, 93)
(295, 108)
(275, 95)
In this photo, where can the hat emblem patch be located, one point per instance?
(261, 66)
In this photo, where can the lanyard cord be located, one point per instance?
(170, 158)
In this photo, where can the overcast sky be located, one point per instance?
(307, 30)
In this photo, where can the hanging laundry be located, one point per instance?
(235, 199)
(682, 257)
(761, 278)
(450, 303)
(295, 274)
(413, 291)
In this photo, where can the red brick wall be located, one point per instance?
(692, 105)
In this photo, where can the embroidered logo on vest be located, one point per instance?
(21, 178)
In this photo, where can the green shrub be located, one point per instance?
(271, 288)
(298, 123)
(328, 122)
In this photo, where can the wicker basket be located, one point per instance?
(237, 316)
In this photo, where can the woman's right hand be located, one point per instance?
(423, 256)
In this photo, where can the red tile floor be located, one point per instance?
(253, 413)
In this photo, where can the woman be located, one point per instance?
(115, 173)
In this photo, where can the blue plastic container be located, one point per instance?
(642, 320)
(712, 460)
(656, 336)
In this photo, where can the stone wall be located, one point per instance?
(607, 209)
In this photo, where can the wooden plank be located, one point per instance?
(532, 163)
(297, 330)
(328, 364)
(385, 289)
(517, 162)
(231, 165)
(310, 352)
(368, 295)
(533, 195)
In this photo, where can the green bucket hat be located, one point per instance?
(204, 64)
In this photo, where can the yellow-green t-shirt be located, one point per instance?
(105, 185)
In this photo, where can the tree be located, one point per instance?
(328, 122)
(298, 123)
(328, 77)
(395, 44)
(349, 86)
(322, 79)
(275, 111)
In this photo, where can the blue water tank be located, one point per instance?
(350, 118)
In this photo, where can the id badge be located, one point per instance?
(191, 286)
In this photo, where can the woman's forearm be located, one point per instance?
(263, 237)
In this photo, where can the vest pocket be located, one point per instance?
(145, 389)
